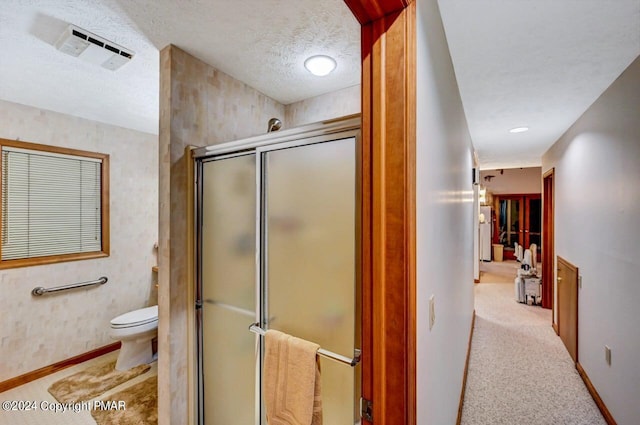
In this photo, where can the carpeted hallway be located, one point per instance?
(519, 371)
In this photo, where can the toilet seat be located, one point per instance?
(136, 318)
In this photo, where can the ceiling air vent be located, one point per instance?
(85, 45)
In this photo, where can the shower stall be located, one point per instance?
(276, 248)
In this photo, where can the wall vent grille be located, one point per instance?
(85, 45)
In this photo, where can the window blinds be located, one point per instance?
(51, 204)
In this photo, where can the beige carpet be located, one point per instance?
(519, 370)
(93, 381)
(498, 271)
(141, 405)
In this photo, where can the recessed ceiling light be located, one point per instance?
(519, 130)
(320, 65)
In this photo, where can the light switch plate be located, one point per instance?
(607, 354)
(580, 282)
(432, 311)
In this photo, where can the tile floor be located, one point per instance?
(37, 391)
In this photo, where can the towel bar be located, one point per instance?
(321, 351)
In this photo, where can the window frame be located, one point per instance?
(104, 201)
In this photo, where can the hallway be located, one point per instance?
(519, 370)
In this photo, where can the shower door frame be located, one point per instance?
(259, 146)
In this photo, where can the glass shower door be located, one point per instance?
(310, 257)
(228, 293)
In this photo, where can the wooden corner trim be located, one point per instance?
(466, 369)
(48, 370)
(367, 11)
(555, 328)
(388, 214)
(548, 173)
(596, 397)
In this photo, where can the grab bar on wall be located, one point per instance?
(41, 291)
(321, 351)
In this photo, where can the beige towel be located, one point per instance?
(291, 380)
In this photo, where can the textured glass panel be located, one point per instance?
(535, 218)
(509, 222)
(228, 290)
(535, 215)
(310, 192)
(229, 231)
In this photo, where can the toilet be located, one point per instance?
(135, 330)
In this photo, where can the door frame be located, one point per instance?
(388, 208)
(548, 248)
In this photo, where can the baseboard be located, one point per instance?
(48, 370)
(555, 328)
(596, 397)
(466, 369)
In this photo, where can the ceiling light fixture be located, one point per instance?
(519, 130)
(320, 65)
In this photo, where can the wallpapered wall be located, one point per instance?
(326, 106)
(39, 331)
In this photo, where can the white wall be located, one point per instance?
(39, 331)
(597, 228)
(513, 180)
(444, 224)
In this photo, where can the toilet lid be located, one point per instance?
(136, 317)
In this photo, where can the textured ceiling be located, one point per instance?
(261, 42)
(33, 72)
(537, 63)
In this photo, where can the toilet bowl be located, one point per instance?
(135, 330)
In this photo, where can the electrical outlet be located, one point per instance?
(432, 311)
(607, 354)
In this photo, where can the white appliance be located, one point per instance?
(486, 230)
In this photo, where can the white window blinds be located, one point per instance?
(51, 204)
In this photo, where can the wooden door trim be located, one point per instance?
(548, 240)
(521, 224)
(367, 11)
(388, 210)
(526, 240)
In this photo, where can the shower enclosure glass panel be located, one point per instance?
(228, 270)
(310, 265)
